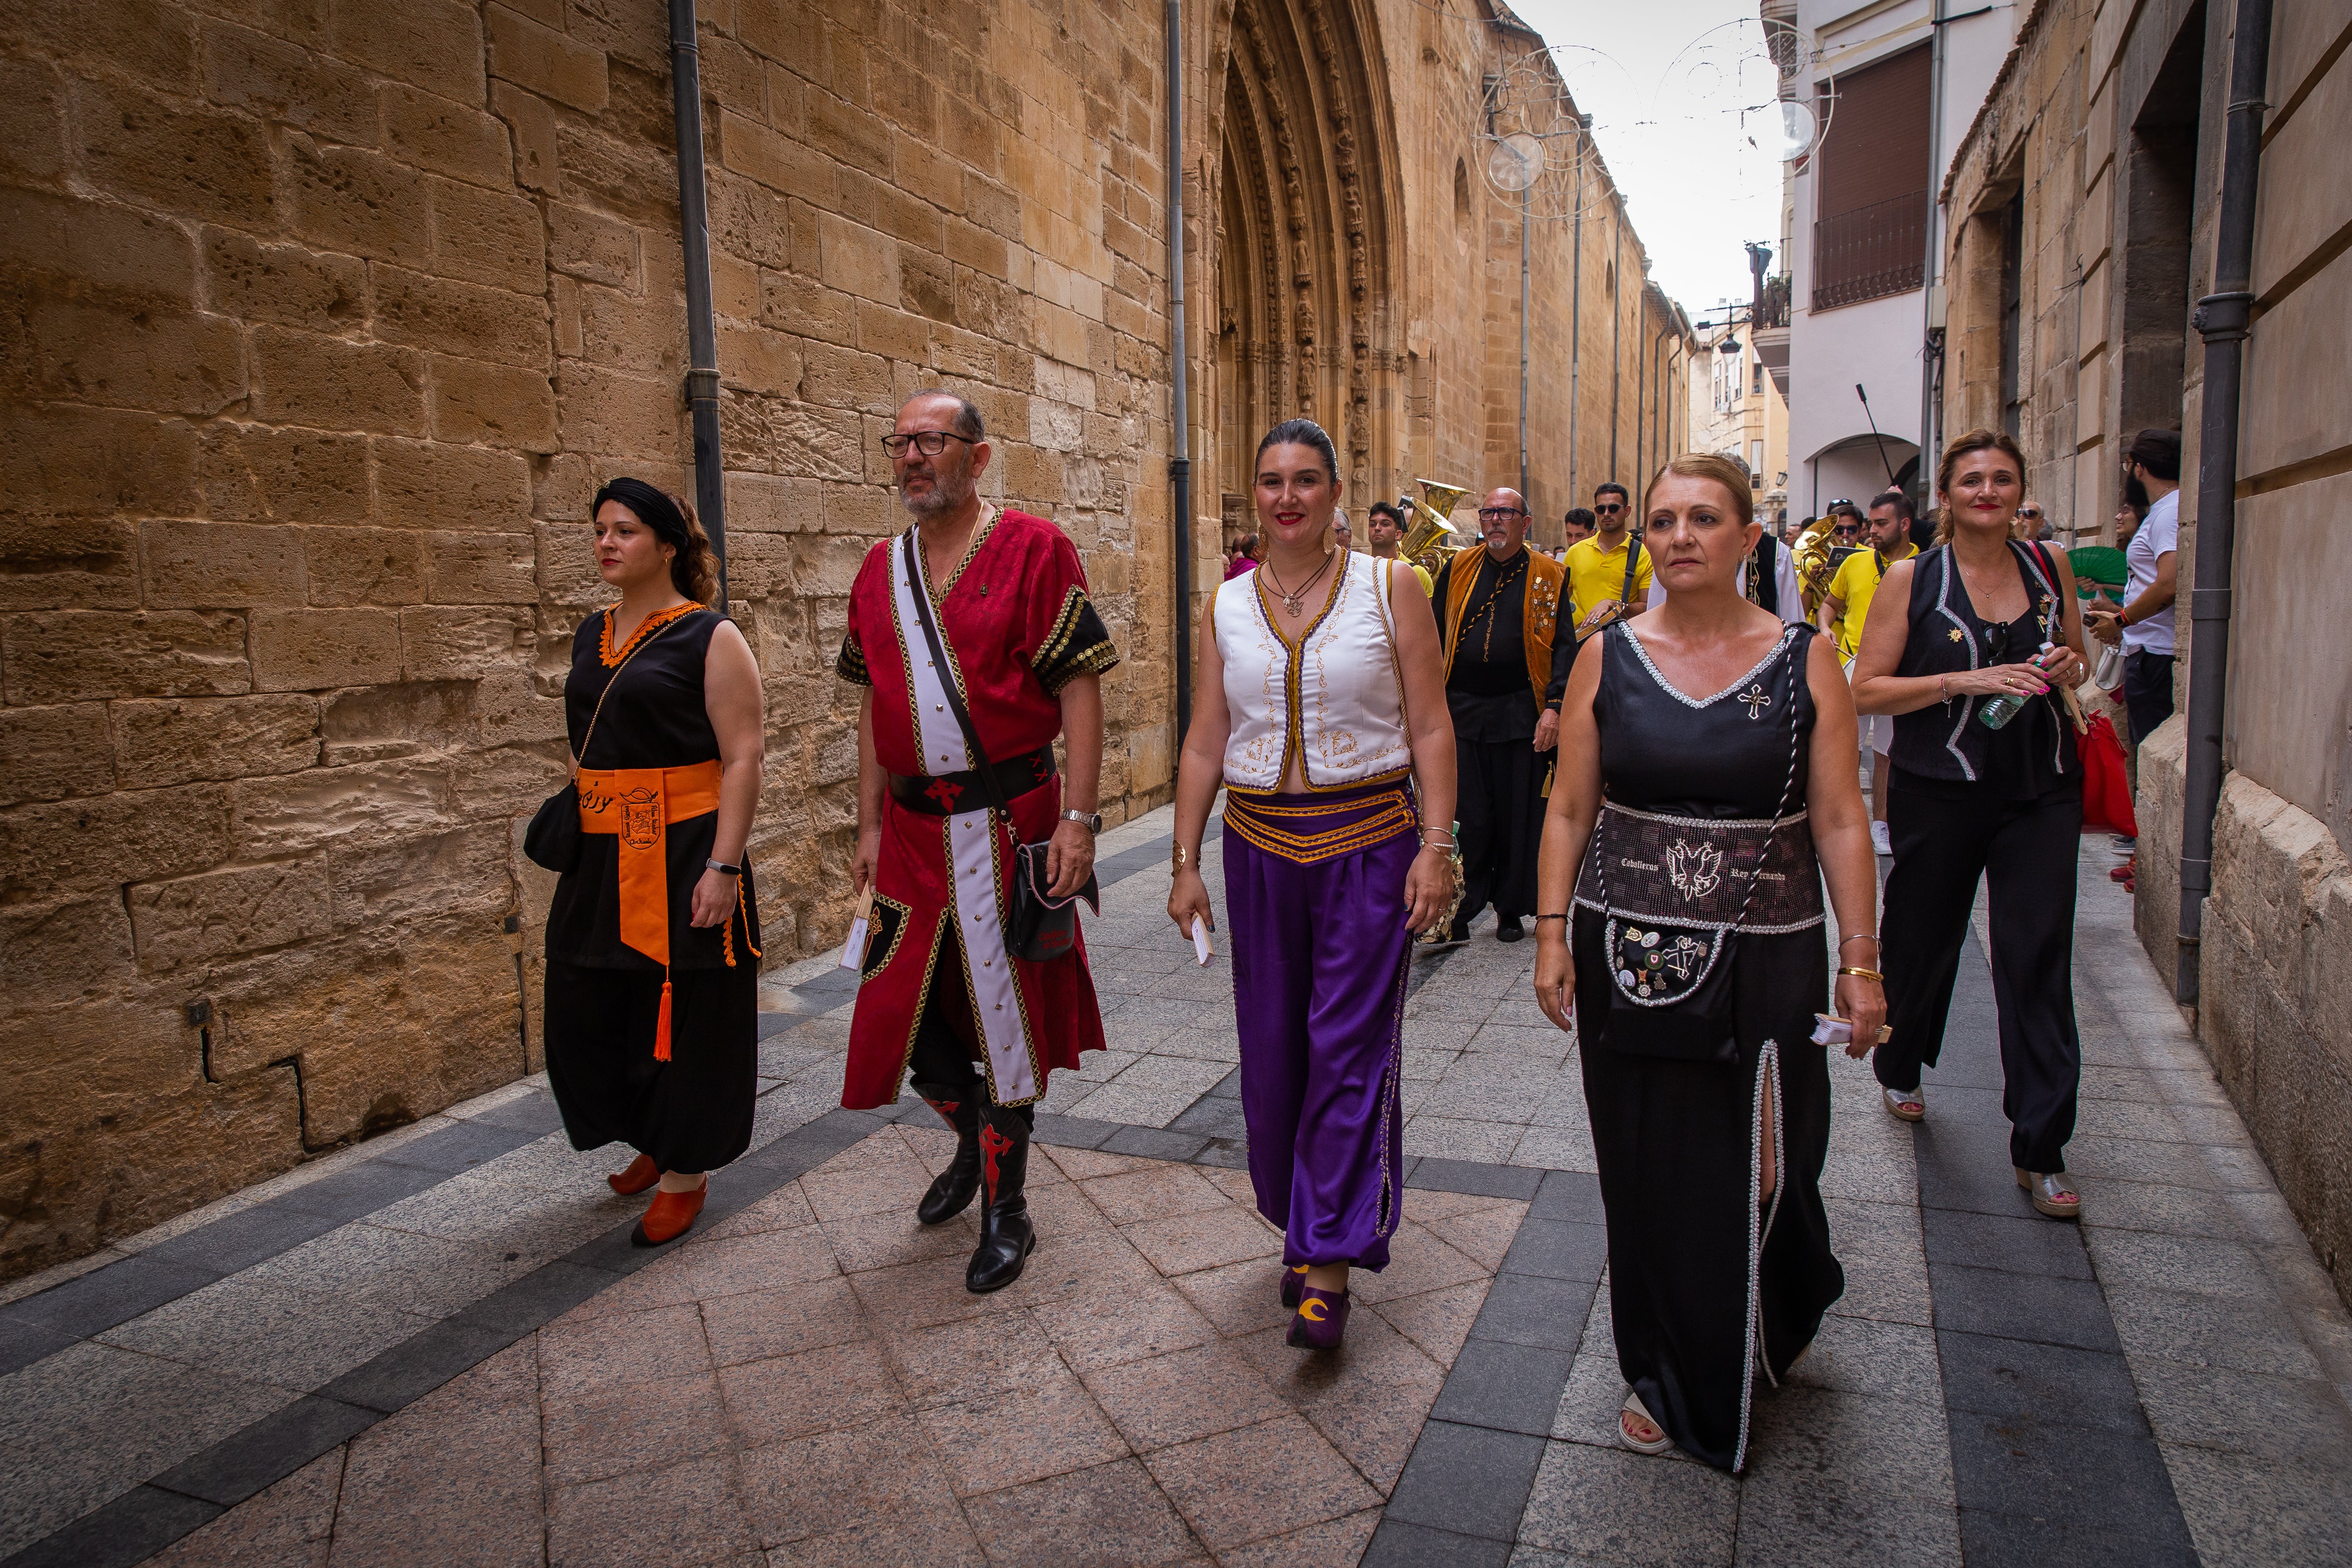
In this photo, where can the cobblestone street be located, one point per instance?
(439, 1347)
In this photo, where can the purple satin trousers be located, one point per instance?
(1319, 954)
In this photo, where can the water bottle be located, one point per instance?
(2001, 710)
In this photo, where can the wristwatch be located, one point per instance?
(1092, 820)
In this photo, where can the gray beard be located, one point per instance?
(939, 502)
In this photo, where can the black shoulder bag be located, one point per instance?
(1037, 928)
(1670, 990)
(553, 839)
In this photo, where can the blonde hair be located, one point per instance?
(1707, 466)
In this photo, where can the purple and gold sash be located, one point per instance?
(1307, 829)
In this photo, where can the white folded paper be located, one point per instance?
(1200, 941)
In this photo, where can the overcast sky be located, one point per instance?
(1666, 82)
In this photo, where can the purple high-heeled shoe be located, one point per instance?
(1321, 1320)
(1294, 1280)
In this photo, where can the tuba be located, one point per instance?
(1810, 555)
(1431, 518)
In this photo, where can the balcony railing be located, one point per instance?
(1771, 306)
(1870, 252)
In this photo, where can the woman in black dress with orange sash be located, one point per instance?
(1696, 964)
(653, 939)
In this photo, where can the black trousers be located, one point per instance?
(2148, 692)
(947, 1039)
(1502, 824)
(2025, 851)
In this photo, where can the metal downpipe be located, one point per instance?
(2222, 318)
(701, 326)
(1180, 466)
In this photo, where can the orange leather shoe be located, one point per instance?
(670, 1216)
(642, 1174)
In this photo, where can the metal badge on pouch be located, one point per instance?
(853, 952)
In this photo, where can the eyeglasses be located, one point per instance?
(1608, 509)
(929, 443)
(2031, 513)
(1500, 513)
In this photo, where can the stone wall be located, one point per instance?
(2108, 120)
(324, 319)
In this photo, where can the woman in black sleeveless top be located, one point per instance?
(1707, 783)
(653, 938)
(1964, 624)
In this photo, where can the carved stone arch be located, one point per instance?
(1307, 208)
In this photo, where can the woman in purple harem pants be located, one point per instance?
(1321, 707)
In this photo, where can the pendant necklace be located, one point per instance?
(1293, 602)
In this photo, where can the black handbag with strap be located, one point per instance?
(553, 839)
(1037, 928)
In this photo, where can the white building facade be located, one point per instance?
(1895, 85)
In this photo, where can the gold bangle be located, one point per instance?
(1863, 974)
(1178, 858)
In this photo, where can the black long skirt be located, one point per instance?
(1676, 1143)
(692, 1112)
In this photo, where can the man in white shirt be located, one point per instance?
(2144, 625)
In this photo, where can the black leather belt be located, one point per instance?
(944, 795)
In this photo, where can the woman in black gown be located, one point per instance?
(653, 938)
(1696, 963)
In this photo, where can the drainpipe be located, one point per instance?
(2222, 318)
(1616, 324)
(1576, 309)
(1525, 205)
(1179, 467)
(1931, 260)
(701, 326)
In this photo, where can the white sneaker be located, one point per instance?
(1880, 841)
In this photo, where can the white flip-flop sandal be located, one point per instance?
(1633, 1406)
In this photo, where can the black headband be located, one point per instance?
(653, 506)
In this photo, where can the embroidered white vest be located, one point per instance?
(1338, 698)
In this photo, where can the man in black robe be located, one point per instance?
(1496, 604)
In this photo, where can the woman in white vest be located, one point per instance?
(1321, 708)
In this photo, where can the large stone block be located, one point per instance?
(352, 199)
(311, 650)
(96, 243)
(546, 61)
(54, 563)
(288, 284)
(501, 405)
(481, 569)
(198, 164)
(463, 872)
(531, 122)
(367, 803)
(72, 655)
(440, 643)
(590, 245)
(272, 79)
(461, 318)
(510, 710)
(435, 43)
(220, 565)
(487, 237)
(246, 909)
(302, 378)
(61, 949)
(379, 723)
(434, 485)
(106, 840)
(859, 260)
(49, 753)
(166, 360)
(455, 138)
(774, 159)
(249, 472)
(364, 566)
(618, 415)
(156, 744)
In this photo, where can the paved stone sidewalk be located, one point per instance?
(444, 1329)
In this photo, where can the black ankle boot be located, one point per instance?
(1006, 1237)
(958, 1107)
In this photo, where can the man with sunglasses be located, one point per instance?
(942, 992)
(1498, 607)
(1596, 566)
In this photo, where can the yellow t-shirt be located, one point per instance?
(1594, 574)
(1856, 583)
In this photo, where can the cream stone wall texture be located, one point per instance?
(2118, 242)
(325, 319)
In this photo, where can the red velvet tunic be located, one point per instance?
(1016, 615)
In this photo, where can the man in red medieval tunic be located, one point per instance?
(978, 1027)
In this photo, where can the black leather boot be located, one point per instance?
(958, 1107)
(1006, 1237)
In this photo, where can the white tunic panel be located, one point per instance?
(1338, 698)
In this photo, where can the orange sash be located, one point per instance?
(638, 804)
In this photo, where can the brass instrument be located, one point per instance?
(1811, 555)
(1431, 518)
